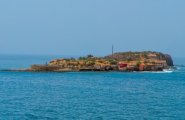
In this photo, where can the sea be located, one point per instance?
(89, 95)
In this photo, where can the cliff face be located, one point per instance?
(132, 56)
(166, 57)
(169, 60)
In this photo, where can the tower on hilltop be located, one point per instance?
(112, 51)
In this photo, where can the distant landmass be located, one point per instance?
(120, 61)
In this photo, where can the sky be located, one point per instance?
(81, 27)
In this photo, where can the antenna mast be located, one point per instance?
(112, 51)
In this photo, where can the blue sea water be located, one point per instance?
(89, 95)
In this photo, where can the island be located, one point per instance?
(120, 62)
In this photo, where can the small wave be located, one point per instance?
(157, 72)
(168, 71)
(162, 72)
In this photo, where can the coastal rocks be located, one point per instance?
(160, 56)
(169, 60)
(166, 57)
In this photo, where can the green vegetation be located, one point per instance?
(113, 62)
(128, 59)
(133, 58)
(89, 56)
(68, 64)
(91, 63)
(123, 53)
(73, 64)
(138, 63)
(101, 61)
(88, 59)
(81, 58)
(110, 60)
(66, 59)
(145, 55)
(84, 63)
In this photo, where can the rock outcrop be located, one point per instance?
(169, 60)
(161, 56)
(133, 56)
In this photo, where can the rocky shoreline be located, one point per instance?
(64, 71)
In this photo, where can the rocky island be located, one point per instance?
(121, 61)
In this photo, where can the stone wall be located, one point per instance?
(45, 67)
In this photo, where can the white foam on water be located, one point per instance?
(168, 71)
(165, 71)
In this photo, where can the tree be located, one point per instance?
(68, 64)
(81, 58)
(88, 59)
(138, 63)
(66, 59)
(110, 60)
(101, 60)
(58, 62)
(93, 63)
(145, 56)
(88, 56)
(89, 64)
(113, 62)
(84, 63)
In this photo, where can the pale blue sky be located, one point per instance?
(83, 27)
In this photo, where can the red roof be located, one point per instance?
(122, 65)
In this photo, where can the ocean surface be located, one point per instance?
(89, 95)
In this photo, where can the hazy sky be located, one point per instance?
(81, 27)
